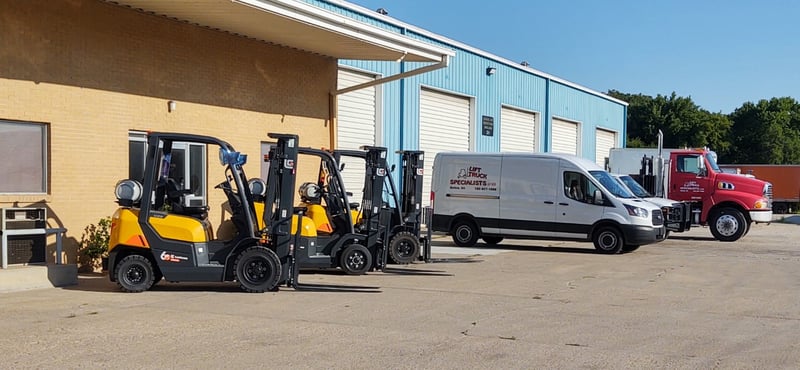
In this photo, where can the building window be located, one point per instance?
(23, 157)
(187, 165)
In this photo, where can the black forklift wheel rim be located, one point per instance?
(356, 260)
(405, 248)
(135, 274)
(256, 270)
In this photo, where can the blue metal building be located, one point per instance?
(473, 101)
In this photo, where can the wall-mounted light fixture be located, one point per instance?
(171, 105)
(490, 71)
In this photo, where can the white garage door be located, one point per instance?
(517, 130)
(565, 137)
(444, 125)
(357, 117)
(604, 141)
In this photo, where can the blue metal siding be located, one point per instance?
(466, 76)
(590, 110)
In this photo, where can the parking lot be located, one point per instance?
(688, 302)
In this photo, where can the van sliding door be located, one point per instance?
(528, 195)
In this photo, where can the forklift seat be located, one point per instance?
(175, 196)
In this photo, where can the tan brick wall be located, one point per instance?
(93, 71)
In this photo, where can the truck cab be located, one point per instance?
(728, 203)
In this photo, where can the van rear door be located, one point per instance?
(528, 195)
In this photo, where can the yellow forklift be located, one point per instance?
(157, 233)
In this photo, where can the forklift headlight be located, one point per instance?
(227, 157)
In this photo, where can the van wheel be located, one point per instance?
(492, 240)
(355, 259)
(404, 248)
(258, 269)
(465, 234)
(608, 240)
(134, 273)
(728, 224)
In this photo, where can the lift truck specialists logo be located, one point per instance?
(169, 257)
(472, 177)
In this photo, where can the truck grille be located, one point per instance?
(658, 218)
(768, 193)
(673, 213)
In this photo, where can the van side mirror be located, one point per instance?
(598, 197)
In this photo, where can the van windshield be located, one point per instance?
(634, 187)
(611, 184)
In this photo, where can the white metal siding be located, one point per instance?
(604, 141)
(565, 137)
(517, 130)
(357, 117)
(444, 125)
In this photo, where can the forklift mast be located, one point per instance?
(278, 204)
(411, 191)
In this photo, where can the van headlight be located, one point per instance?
(637, 211)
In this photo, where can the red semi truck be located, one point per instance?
(727, 203)
(785, 180)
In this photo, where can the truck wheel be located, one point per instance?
(257, 269)
(728, 224)
(608, 240)
(465, 233)
(134, 273)
(492, 240)
(404, 248)
(355, 259)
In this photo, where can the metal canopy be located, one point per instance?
(296, 25)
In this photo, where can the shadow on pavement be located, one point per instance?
(331, 288)
(415, 272)
(100, 283)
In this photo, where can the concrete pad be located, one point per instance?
(17, 278)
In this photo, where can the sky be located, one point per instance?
(720, 53)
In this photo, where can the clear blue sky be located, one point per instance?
(721, 53)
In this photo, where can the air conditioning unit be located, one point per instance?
(24, 231)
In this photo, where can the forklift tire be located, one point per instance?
(134, 273)
(404, 248)
(257, 269)
(355, 259)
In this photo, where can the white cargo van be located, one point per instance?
(537, 196)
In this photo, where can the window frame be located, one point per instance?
(45, 160)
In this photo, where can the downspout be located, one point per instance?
(403, 74)
(432, 67)
(547, 119)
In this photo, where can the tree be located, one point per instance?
(766, 132)
(682, 121)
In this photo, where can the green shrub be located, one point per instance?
(94, 243)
